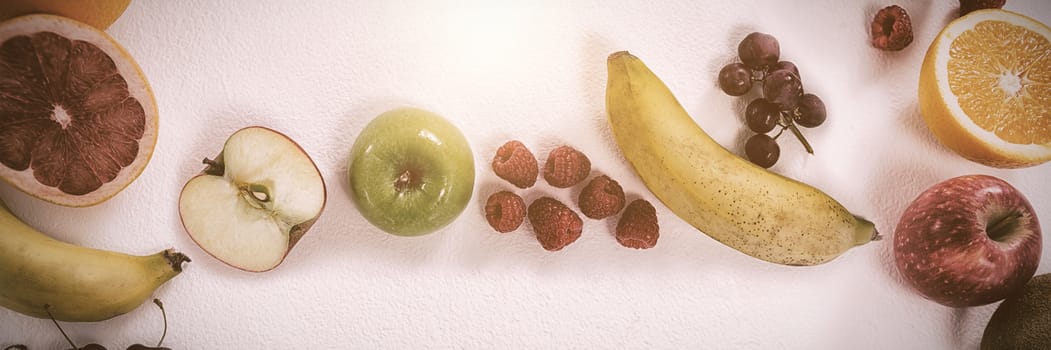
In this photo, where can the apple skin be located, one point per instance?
(411, 172)
(968, 241)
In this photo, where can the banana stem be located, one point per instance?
(866, 232)
(175, 260)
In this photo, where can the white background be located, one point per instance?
(533, 71)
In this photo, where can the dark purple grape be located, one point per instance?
(761, 115)
(735, 79)
(762, 150)
(786, 65)
(759, 50)
(783, 88)
(811, 111)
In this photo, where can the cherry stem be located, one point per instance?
(47, 309)
(164, 316)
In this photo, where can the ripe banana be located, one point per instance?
(39, 274)
(748, 208)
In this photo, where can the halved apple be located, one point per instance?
(252, 204)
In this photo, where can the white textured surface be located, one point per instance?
(534, 71)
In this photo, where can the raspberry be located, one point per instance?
(516, 164)
(891, 29)
(566, 167)
(505, 211)
(602, 197)
(638, 226)
(556, 225)
(967, 6)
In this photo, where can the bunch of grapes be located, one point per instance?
(784, 104)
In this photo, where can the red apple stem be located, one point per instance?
(1002, 227)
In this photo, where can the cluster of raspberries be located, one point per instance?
(555, 224)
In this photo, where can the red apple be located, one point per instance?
(968, 241)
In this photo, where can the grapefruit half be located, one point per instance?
(78, 121)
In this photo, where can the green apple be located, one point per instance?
(253, 203)
(411, 172)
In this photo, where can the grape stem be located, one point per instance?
(782, 131)
(787, 119)
(799, 135)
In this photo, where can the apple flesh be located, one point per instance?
(968, 241)
(411, 172)
(253, 203)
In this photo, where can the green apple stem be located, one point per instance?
(405, 181)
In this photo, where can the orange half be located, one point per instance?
(985, 89)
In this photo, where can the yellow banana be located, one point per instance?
(748, 208)
(39, 274)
